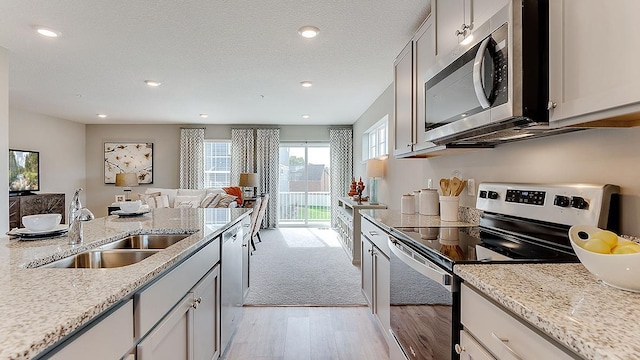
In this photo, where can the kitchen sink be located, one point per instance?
(102, 259)
(145, 241)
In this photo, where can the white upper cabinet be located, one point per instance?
(593, 62)
(404, 102)
(425, 57)
(456, 20)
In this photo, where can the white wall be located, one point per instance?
(590, 156)
(61, 144)
(4, 140)
(166, 153)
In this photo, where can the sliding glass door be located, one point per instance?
(304, 185)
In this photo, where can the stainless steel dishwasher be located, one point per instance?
(231, 277)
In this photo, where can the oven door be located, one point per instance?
(421, 315)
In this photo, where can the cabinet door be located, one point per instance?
(592, 66)
(382, 276)
(246, 258)
(206, 317)
(450, 17)
(367, 270)
(483, 10)
(404, 88)
(425, 57)
(171, 339)
(471, 350)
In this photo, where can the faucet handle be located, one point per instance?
(85, 215)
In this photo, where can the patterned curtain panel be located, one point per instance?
(191, 158)
(268, 166)
(341, 150)
(242, 153)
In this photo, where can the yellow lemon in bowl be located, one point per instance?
(626, 249)
(607, 236)
(598, 246)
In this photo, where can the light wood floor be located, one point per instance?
(314, 333)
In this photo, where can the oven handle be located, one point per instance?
(424, 266)
(477, 78)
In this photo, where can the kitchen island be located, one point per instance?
(565, 302)
(39, 307)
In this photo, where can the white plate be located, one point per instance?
(122, 213)
(25, 231)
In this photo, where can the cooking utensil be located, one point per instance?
(455, 186)
(445, 187)
(460, 188)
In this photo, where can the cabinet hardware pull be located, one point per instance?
(459, 349)
(245, 245)
(373, 233)
(370, 251)
(551, 105)
(504, 342)
(199, 300)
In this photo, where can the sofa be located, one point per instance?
(187, 198)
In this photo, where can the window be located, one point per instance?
(374, 140)
(217, 163)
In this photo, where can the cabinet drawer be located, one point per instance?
(471, 350)
(155, 301)
(501, 333)
(376, 235)
(110, 338)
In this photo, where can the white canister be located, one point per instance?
(408, 204)
(416, 200)
(449, 208)
(429, 202)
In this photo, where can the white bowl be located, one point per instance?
(130, 206)
(41, 222)
(617, 270)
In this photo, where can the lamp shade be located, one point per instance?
(126, 179)
(248, 180)
(375, 168)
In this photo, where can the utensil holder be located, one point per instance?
(449, 208)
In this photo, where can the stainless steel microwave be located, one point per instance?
(497, 90)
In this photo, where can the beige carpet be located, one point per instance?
(304, 267)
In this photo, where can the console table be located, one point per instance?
(349, 225)
(23, 205)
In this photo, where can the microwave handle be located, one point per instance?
(477, 78)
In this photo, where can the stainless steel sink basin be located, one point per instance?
(102, 259)
(146, 241)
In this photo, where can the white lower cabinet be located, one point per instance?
(469, 349)
(501, 334)
(190, 331)
(110, 338)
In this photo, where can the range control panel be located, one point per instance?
(562, 204)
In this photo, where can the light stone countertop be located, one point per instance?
(566, 302)
(387, 219)
(39, 306)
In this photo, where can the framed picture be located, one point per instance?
(120, 198)
(123, 157)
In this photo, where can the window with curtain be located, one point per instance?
(217, 163)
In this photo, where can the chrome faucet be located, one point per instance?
(77, 214)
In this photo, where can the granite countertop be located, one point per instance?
(391, 218)
(566, 302)
(39, 306)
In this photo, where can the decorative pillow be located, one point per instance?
(186, 202)
(210, 201)
(162, 201)
(235, 191)
(149, 199)
(225, 200)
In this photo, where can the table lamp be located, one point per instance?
(375, 169)
(249, 180)
(127, 180)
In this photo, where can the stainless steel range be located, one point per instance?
(520, 223)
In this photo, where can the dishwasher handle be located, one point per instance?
(420, 264)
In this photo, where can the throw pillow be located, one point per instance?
(210, 201)
(225, 200)
(149, 199)
(186, 202)
(162, 201)
(235, 191)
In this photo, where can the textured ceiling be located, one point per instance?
(239, 61)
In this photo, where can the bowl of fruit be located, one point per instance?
(614, 260)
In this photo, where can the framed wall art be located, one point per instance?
(125, 157)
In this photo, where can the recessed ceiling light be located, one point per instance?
(306, 83)
(308, 31)
(152, 83)
(102, 115)
(44, 31)
(204, 116)
(305, 116)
